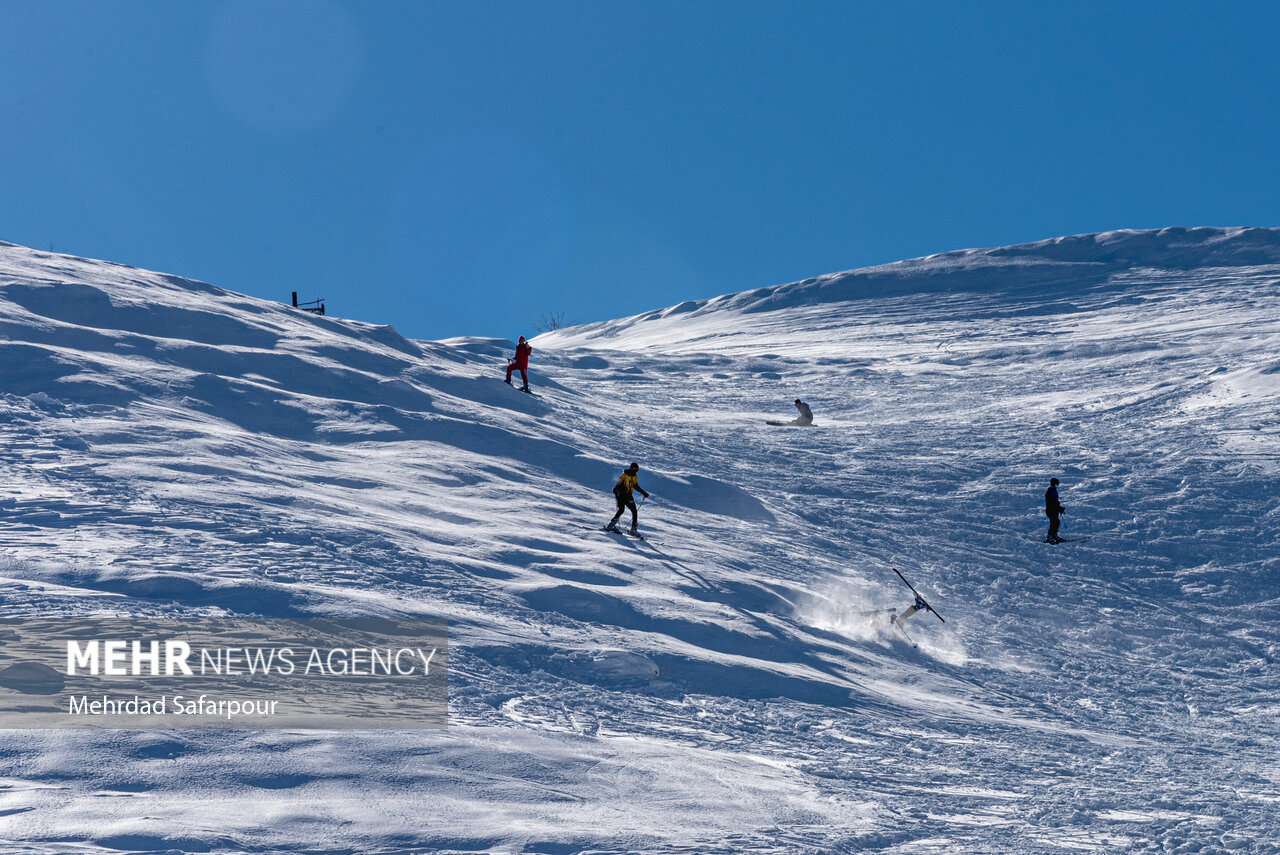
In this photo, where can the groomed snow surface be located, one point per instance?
(172, 449)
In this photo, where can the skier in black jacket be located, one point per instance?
(1053, 510)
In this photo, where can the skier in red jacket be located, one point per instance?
(520, 362)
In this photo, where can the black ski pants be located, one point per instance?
(626, 502)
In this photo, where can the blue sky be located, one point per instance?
(462, 168)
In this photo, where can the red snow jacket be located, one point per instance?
(523, 350)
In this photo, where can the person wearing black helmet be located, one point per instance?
(622, 491)
(1053, 510)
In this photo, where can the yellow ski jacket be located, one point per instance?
(627, 483)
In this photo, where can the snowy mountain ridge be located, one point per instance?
(1078, 263)
(173, 449)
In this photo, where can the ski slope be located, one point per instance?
(171, 449)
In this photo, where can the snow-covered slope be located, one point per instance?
(173, 449)
(1043, 277)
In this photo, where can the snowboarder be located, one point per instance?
(520, 362)
(805, 418)
(622, 491)
(1053, 509)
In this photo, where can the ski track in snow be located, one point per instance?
(170, 449)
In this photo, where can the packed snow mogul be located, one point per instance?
(623, 492)
(805, 417)
(1053, 510)
(520, 362)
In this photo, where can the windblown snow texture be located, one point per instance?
(173, 449)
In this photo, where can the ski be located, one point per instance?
(621, 531)
(921, 602)
(637, 535)
(514, 386)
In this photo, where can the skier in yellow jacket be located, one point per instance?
(622, 491)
